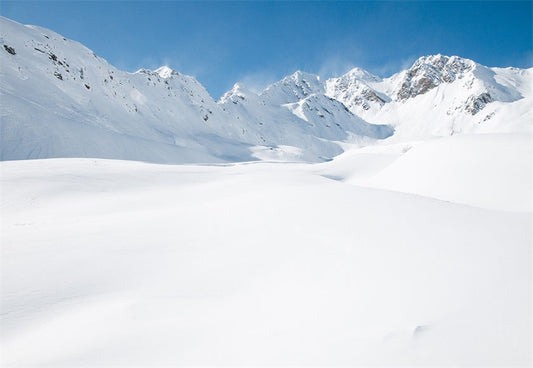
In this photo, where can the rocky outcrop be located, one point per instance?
(354, 91)
(475, 104)
(429, 72)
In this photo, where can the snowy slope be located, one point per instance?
(108, 263)
(60, 100)
(314, 122)
(493, 171)
(485, 170)
(293, 88)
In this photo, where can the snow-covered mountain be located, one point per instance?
(61, 100)
(439, 96)
(58, 99)
(295, 112)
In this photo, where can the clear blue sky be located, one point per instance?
(257, 42)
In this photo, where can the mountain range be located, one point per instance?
(59, 99)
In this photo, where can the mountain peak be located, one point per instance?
(444, 62)
(430, 71)
(362, 74)
(165, 71)
(300, 75)
(239, 90)
(239, 87)
(293, 88)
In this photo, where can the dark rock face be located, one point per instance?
(356, 93)
(475, 104)
(367, 94)
(10, 49)
(429, 72)
(371, 95)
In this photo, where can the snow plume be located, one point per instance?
(393, 65)
(258, 81)
(335, 66)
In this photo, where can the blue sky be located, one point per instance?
(258, 42)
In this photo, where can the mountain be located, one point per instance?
(295, 112)
(59, 99)
(439, 96)
(293, 88)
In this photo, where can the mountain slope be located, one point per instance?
(298, 116)
(60, 100)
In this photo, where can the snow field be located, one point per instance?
(109, 263)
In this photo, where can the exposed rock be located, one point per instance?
(10, 49)
(354, 92)
(475, 104)
(430, 71)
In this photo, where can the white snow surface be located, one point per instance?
(111, 263)
(492, 171)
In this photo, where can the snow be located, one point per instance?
(109, 263)
(492, 171)
(165, 71)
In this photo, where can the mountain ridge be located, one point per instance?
(59, 99)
